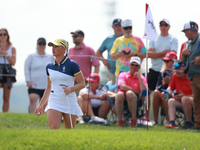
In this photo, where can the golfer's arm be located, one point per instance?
(81, 82)
(46, 93)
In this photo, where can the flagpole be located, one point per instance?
(147, 85)
(147, 77)
(149, 34)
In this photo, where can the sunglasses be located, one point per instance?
(164, 24)
(126, 28)
(41, 43)
(3, 34)
(166, 61)
(177, 65)
(134, 64)
(93, 77)
(75, 36)
(118, 25)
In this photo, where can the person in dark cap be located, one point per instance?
(107, 45)
(179, 88)
(191, 56)
(35, 73)
(83, 54)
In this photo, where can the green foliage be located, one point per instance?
(27, 131)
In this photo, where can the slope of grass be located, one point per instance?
(27, 131)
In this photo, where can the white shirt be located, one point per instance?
(35, 69)
(162, 43)
(94, 102)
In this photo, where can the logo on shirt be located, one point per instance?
(63, 69)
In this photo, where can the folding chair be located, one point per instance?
(179, 117)
(127, 115)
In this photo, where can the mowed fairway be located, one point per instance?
(27, 131)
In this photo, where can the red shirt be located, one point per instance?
(133, 82)
(82, 56)
(180, 84)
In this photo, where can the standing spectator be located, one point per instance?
(62, 101)
(35, 75)
(163, 82)
(125, 47)
(130, 85)
(191, 56)
(181, 92)
(7, 60)
(107, 45)
(183, 46)
(83, 54)
(164, 43)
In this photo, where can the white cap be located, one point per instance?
(190, 25)
(136, 60)
(165, 20)
(126, 23)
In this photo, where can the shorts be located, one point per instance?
(152, 79)
(96, 110)
(36, 91)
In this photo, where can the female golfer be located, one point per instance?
(62, 101)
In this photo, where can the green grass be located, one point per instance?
(27, 131)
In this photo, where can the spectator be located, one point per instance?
(191, 56)
(98, 104)
(125, 47)
(35, 75)
(7, 60)
(83, 54)
(163, 82)
(62, 71)
(165, 42)
(107, 45)
(181, 92)
(130, 85)
(183, 46)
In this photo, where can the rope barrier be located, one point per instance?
(79, 56)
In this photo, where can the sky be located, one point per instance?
(27, 20)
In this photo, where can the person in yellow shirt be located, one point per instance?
(125, 47)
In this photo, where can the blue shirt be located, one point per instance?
(107, 45)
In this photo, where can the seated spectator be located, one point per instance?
(130, 85)
(163, 82)
(98, 104)
(181, 92)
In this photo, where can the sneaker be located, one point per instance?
(80, 120)
(171, 125)
(155, 123)
(120, 123)
(188, 125)
(133, 123)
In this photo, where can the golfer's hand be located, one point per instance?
(186, 52)
(38, 110)
(196, 61)
(66, 90)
